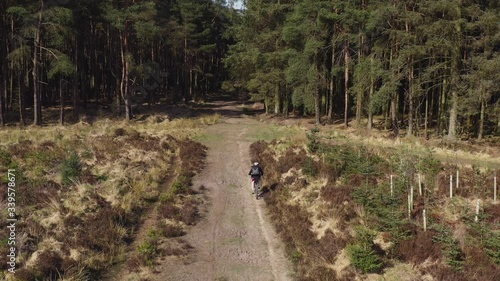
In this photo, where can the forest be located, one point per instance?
(416, 67)
(93, 54)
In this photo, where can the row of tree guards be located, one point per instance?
(457, 182)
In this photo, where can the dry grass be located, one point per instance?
(316, 209)
(88, 224)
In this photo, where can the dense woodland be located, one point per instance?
(420, 63)
(423, 66)
(108, 53)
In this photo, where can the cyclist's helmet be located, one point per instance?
(256, 163)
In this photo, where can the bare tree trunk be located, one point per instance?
(124, 84)
(21, 96)
(332, 87)
(277, 99)
(441, 107)
(2, 88)
(426, 118)
(481, 120)
(285, 101)
(317, 106)
(394, 121)
(410, 99)
(346, 81)
(370, 95)
(61, 101)
(37, 107)
(455, 77)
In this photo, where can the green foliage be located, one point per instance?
(71, 168)
(180, 185)
(347, 160)
(313, 138)
(492, 246)
(62, 65)
(384, 212)
(310, 168)
(488, 239)
(147, 250)
(296, 256)
(454, 255)
(167, 197)
(362, 253)
(5, 158)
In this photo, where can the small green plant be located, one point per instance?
(154, 234)
(296, 256)
(180, 185)
(363, 257)
(313, 138)
(5, 158)
(309, 167)
(362, 253)
(147, 250)
(71, 168)
(167, 197)
(454, 255)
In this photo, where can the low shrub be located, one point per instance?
(363, 257)
(169, 230)
(71, 169)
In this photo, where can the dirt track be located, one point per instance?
(234, 240)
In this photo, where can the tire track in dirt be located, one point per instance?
(234, 240)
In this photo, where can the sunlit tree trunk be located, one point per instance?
(346, 81)
(37, 107)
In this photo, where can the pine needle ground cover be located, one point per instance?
(83, 192)
(332, 205)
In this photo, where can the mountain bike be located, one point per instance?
(256, 187)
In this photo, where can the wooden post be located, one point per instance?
(411, 196)
(420, 184)
(457, 180)
(477, 210)
(409, 207)
(451, 186)
(425, 220)
(391, 187)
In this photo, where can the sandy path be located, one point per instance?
(234, 240)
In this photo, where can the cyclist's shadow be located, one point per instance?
(267, 189)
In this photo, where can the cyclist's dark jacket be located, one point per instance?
(261, 172)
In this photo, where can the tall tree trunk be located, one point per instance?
(441, 107)
(191, 96)
(37, 107)
(410, 99)
(394, 120)
(481, 120)
(332, 86)
(2, 88)
(277, 99)
(317, 106)
(61, 101)
(426, 118)
(370, 95)
(124, 84)
(285, 100)
(21, 91)
(455, 79)
(76, 98)
(346, 81)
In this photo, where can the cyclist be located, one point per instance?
(256, 173)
